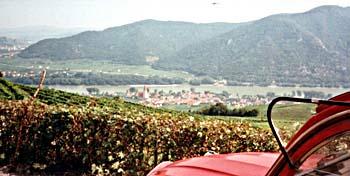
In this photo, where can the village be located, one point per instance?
(191, 98)
(9, 48)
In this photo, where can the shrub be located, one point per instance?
(110, 136)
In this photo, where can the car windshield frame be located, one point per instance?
(297, 100)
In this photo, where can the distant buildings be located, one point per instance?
(190, 98)
(9, 51)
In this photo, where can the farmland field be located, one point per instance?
(88, 65)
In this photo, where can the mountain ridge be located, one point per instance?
(312, 47)
(288, 49)
(129, 44)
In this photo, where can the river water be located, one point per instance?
(236, 90)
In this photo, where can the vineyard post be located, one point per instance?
(27, 115)
(156, 151)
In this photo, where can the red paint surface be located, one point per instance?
(254, 163)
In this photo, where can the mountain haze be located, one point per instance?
(37, 33)
(309, 49)
(5, 41)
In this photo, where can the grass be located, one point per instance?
(284, 116)
(184, 108)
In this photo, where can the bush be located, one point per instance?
(113, 137)
(219, 109)
(195, 82)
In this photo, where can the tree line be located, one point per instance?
(219, 109)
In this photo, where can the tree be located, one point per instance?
(225, 93)
(270, 94)
(218, 109)
(195, 82)
(207, 80)
(193, 90)
(133, 89)
(93, 90)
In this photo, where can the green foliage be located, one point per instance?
(195, 82)
(120, 137)
(91, 78)
(10, 91)
(207, 80)
(93, 90)
(219, 109)
(111, 136)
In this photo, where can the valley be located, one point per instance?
(127, 98)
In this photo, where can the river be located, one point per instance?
(240, 90)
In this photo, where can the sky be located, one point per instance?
(100, 14)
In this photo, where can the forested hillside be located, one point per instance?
(138, 43)
(310, 48)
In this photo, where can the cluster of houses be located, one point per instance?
(16, 74)
(9, 51)
(191, 98)
(12, 47)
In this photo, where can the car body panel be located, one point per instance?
(253, 163)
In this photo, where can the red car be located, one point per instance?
(320, 147)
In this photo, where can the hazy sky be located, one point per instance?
(99, 14)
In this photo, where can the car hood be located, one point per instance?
(253, 163)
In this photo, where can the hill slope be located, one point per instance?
(308, 48)
(137, 43)
(11, 91)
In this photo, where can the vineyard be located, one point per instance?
(61, 132)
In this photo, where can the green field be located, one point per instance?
(88, 65)
(286, 116)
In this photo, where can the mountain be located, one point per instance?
(308, 49)
(37, 33)
(311, 49)
(137, 43)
